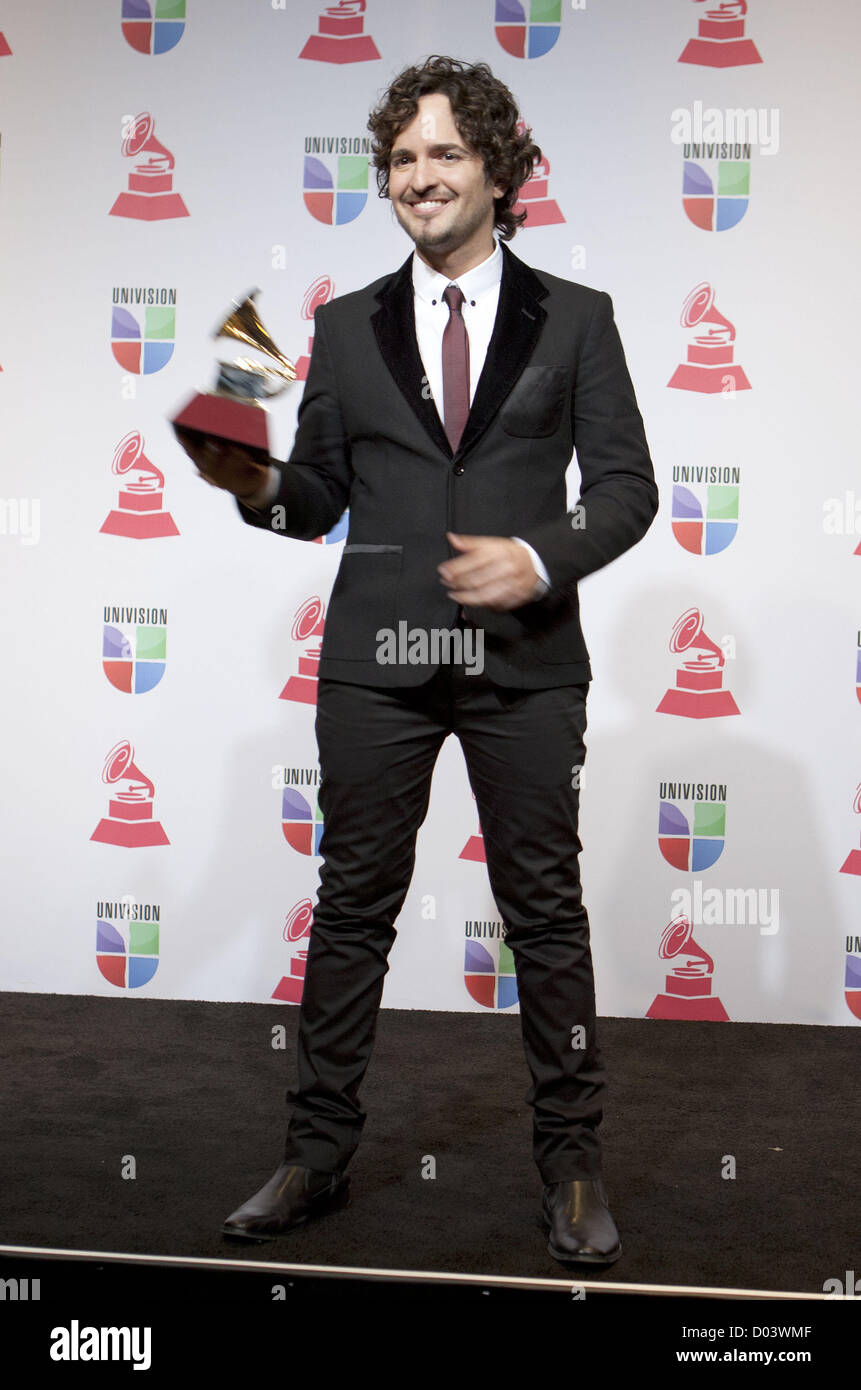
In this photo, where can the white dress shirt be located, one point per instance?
(480, 288)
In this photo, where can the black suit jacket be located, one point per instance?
(369, 437)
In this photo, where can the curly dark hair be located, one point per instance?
(485, 114)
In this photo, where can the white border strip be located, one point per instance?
(407, 1275)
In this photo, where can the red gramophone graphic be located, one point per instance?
(340, 37)
(709, 367)
(474, 847)
(129, 822)
(720, 41)
(532, 199)
(309, 621)
(698, 692)
(5, 50)
(688, 987)
(320, 291)
(139, 513)
(852, 864)
(150, 196)
(297, 927)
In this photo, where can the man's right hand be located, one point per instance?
(224, 464)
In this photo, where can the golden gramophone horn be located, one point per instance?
(243, 322)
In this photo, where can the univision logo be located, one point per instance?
(143, 342)
(692, 843)
(301, 819)
(528, 30)
(488, 967)
(127, 942)
(153, 26)
(705, 517)
(335, 190)
(134, 648)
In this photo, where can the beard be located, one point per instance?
(431, 235)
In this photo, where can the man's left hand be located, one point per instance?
(493, 572)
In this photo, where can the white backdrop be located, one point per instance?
(237, 107)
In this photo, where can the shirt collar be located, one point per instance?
(429, 284)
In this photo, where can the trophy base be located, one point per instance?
(240, 421)
(852, 863)
(149, 207)
(690, 376)
(721, 53)
(698, 704)
(703, 1010)
(139, 526)
(130, 834)
(328, 48)
(474, 850)
(542, 212)
(301, 690)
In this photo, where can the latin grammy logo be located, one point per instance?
(150, 196)
(340, 37)
(297, 927)
(533, 199)
(139, 513)
(720, 41)
(710, 366)
(474, 847)
(320, 291)
(698, 692)
(309, 621)
(688, 986)
(129, 821)
(852, 863)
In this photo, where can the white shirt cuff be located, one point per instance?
(543, 581)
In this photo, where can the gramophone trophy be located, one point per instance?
(236, 409)
(308, 622)
(698, 692)
(852, 863)
(688, 986)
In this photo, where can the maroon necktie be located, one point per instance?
(455, 368)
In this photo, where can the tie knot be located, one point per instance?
(454, 297)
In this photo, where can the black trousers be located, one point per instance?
(377, 751)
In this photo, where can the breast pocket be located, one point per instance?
(535, 406)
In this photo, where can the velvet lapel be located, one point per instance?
(519, 318)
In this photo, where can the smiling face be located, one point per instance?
(439, 190)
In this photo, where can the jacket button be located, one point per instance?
(458, 469)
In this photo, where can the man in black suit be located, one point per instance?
(443, 405)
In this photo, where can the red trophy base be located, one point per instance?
(139, 526)
(130, 834)
(474, 850)
(698, 704)
(542, 212)
(721, 53)
(327, 48)
(672, 1006)
(226, 417)
(301, 689)
(853, 863)
(690, 376)
(149, 207)
(5, 50)
(289, 988)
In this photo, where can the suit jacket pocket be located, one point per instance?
(364, 599)
(534, 408)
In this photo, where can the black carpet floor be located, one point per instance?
(195, 1094)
